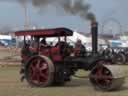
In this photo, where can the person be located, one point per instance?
(34, 42)
(43, 42)
(80, 48)
(26, 54)
(25, 50)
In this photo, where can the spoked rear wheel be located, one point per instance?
(39, 71)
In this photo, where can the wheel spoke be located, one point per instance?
(99, 72)
(38, 78)
(33, 76)
(44, 67)
(32, 72)
(44, 76)
(38, 64)
(32, 68)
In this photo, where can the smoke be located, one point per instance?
(72, 7)
(42, 3)
(78, 7)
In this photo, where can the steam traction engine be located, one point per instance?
(54, 65)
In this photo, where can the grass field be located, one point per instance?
(10, 85)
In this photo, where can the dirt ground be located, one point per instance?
(9, 56)
(10, 84)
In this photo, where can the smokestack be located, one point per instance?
(94, 33)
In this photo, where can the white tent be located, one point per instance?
(7, 37)
(77, 36)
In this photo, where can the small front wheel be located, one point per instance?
(102, 77)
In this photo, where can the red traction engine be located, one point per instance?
(54, 64)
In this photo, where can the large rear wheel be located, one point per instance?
(39, 71)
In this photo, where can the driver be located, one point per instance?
(79, 48)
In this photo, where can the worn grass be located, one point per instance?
(10, 85)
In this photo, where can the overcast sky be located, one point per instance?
(113, 12)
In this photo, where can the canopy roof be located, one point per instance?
(46, 32)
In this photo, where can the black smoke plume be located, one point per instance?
(79, 7)
(72, 7)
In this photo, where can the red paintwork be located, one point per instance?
(53, 53)
(56, 56)
(45, 51)
(46, 32)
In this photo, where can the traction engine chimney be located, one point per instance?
(94, 33)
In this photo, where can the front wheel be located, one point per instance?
(106, 78)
